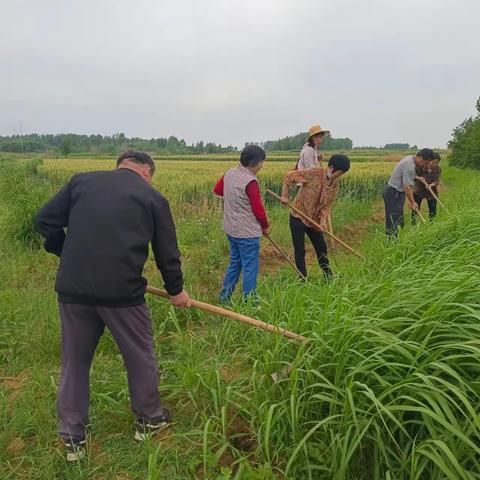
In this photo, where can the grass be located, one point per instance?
(388, 387)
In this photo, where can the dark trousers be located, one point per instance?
(432, 207)
(298, 230)
(394, 205)
(82, 327)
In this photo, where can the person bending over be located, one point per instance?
(427, 178)
(100, 225)
(400, 186)
(319, 187)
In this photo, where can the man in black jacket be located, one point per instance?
(110, 218)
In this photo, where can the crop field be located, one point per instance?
(192, 181)
(387, 388)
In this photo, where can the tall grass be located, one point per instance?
(387, 388)
(390, 388)
(24, 189)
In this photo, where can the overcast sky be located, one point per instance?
(377, 71)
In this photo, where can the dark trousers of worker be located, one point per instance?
(82, 327)
(394, 206)
(432, 207)
(298, 230)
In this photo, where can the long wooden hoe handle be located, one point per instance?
(419, 213)
(435, 196)
(317, 226)
(330, 228)
(235, 316)
(284, 255)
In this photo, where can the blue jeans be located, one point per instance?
(243, 258)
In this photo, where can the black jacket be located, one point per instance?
(110, 218)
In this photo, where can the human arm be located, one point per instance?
(421, 179)
(165, 250)
(411, 200)
(218, 188)
(294, 177)
(408, 179)
(253, 193)
(436, 177)
(52, 218)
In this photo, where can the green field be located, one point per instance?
(387, 388)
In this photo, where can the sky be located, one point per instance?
(377, 71)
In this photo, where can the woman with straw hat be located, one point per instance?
(309, 157)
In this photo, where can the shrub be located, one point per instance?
(465, 144)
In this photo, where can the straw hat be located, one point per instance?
(316, 129)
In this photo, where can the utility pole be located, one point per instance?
(21, 134)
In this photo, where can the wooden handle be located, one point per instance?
(419, 213)
(330, 228)
(235, 316)
(435, 196)
(284, 255)
(317, 226)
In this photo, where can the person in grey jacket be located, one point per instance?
(400, 186)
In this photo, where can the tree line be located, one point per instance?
(67, 143)
(296, 142)
(104, 144)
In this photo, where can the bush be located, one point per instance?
(466, 143)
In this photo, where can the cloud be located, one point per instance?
(377, 71)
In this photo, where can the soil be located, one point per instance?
(352, 233)
(14, 385)
(16, 447)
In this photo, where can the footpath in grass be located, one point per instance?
(388, 388)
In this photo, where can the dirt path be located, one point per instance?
(352, 233)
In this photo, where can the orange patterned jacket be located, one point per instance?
(315, 196)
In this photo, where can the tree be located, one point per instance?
(397, 146)
(465, 143)
(66, 147)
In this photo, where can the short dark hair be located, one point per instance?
(141, 158)
(252, 155)
(426, 154)
(436, 156)
(339, 162)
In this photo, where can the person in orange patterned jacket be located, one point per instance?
(319, 189)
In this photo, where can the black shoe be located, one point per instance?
(146, 429)
(76, 450)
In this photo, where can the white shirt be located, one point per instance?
(308, 157)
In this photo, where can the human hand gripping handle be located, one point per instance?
(413, 206)
(182, 300)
